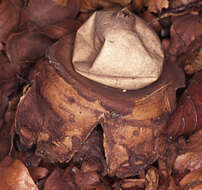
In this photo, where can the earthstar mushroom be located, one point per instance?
(62, 107)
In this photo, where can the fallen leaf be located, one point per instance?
(9, 81)
(15, 176)
(93, 5)
(137, 5)
(178, 3)
(152, 179)
(188, 115)
(38, 173)
(191, 158)
(156, 6)
(192, 181)
(193, 57)
(9, 18)
(58, 181)
(131, 184)
(3, 107)
(60, 29)
(184, 30)
(32, 47)
(45, 12)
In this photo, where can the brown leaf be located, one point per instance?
(7, 130)
(131, 184)
(137, 5)
(191, 158)
(45, 12)
(8, 76)
(152, 178)
(148, 17)
(87, 180)
(58, 181)
(92, 5)
(156, 6)
(15, 176)
(193, 180)
(60, 29)
(193, 57)
(184, 30)
(178, 3)
(9, 17)
(3, 107)
(38, 173)
(188, 115)
(32, 47)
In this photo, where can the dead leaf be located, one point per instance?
(9, 18)
(45, 12)
(15, 176)
(152, 179)
(137, 5)
(32, 47)
(150, 19)
(58, 181)
(178, 3)
(184, 30)
(38, 173)
(3, 107)
(156, 6)
(187, 117)
(9, 81)
(132, 184)
(191, 158)
(193, 57)
(93, 5)
(60, 29)
(193, 180)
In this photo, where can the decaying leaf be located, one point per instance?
(152, 178)
(93, 5)
(188, 115)
(15, 176)
(127, 184)
(3, 107)
(156, 6)
(137, 5)
(9, 17)
(32, 47)
(186, 39)
(60, 29)
(178, 3)
(57, 180)
(184, 30)
(193, 180)
(72, 179)
(193, 57)
(38, 173)
(191, 158)
(8, 76)
(45, 12)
